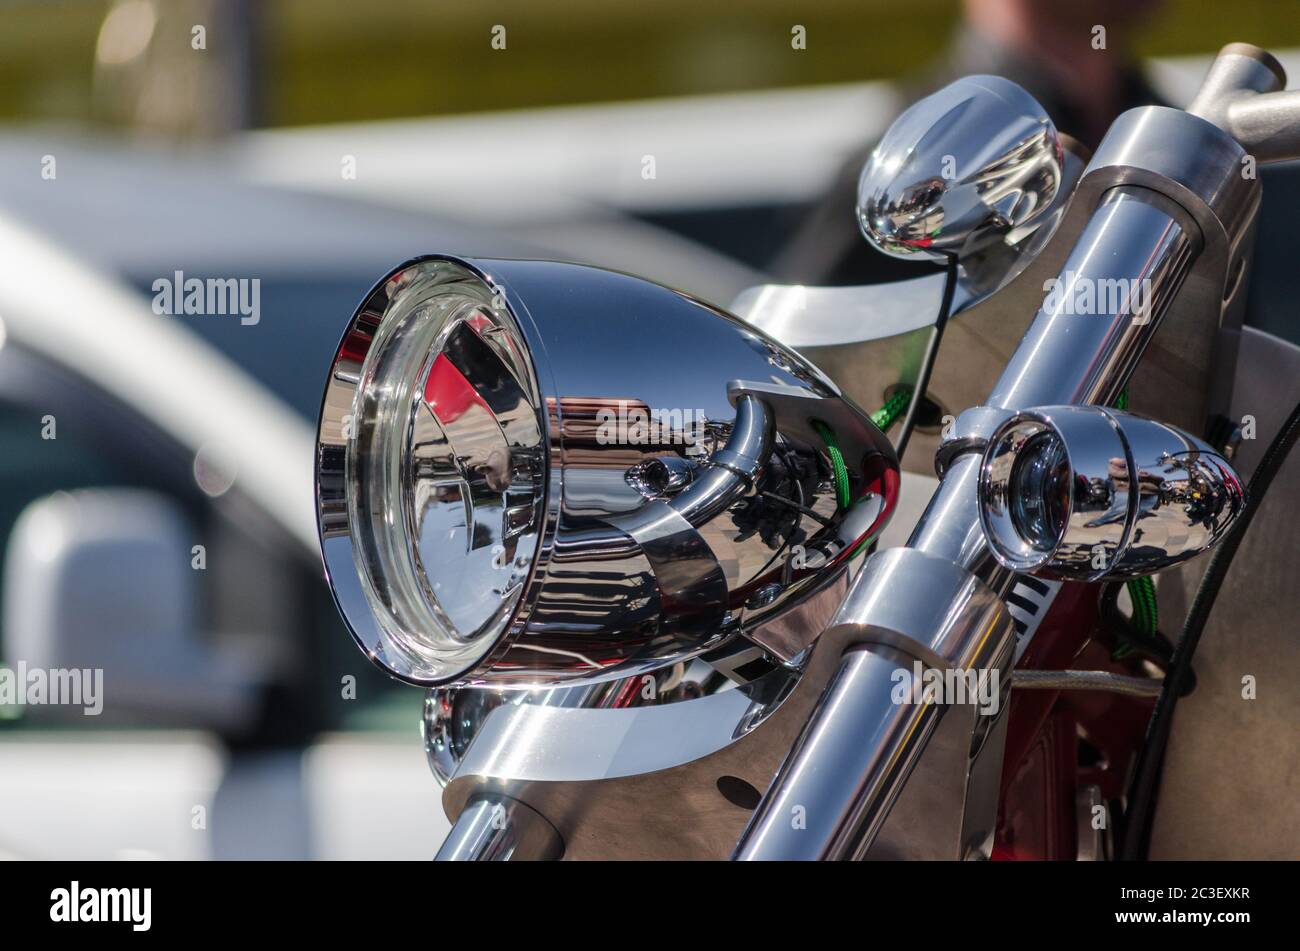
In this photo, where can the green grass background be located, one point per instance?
(340, 60)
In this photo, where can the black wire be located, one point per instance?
(931, 353)
(927, 367)
(797, 509)
(1156, 646)
(802, 509)
(1146, 775)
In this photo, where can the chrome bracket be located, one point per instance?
(658, 782)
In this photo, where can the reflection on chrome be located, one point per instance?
(532, 472)
(975, 164)
(1085, 493)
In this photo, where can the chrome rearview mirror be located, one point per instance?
(969, 172)
(537, 472)
(975, 172)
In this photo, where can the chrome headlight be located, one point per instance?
(1085, 493)
(534, 471)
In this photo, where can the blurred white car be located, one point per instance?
(128, 445)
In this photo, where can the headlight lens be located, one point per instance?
(445, 472)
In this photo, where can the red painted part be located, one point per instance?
(1114, 724)
(1036, 816)
(880, 479)
(1041, 770)
(884, 481)
(1069, 623)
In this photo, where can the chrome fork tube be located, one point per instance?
(797, 824)
(835, 789)
(495, 828)
(1135, 253)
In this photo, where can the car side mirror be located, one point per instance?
(100, 605)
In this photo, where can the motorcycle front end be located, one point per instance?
(627, 541)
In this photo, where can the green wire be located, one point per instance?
(894, 409)
(838, 467)
(1142, 592)
(883, 418)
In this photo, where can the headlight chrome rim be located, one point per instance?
(400, 294)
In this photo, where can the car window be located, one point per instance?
(300, 320)
(262, 637)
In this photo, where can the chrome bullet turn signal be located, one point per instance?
(1086, 493)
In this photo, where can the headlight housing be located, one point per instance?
(538, 472)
